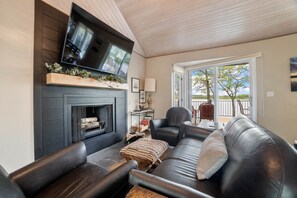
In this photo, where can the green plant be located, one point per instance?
(57, 68)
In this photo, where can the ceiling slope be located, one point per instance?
(173, 26)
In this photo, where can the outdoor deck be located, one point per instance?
(224, 109)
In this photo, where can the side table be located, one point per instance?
(139, 115)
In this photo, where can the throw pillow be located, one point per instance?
(213, 155)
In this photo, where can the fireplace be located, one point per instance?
(103, 115)
(53, 103)
(59, 106)
(90, 121)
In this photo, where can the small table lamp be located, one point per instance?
(149, 86)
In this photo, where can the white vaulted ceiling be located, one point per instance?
(172, 26)
(161, 27)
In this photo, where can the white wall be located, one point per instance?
(136, 70)
(278, 113)
(16, 83)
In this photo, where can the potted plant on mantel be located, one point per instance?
(80, 77)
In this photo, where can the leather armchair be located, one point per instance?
(168, 129)
(66, 173)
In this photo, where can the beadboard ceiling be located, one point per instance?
(171, 26)
(161, 27)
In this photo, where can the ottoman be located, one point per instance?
(145, 151)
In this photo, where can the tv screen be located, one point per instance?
(90, 43)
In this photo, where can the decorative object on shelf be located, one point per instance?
(134, 129)
(57, 68)
(141, 115)
(144, 122)
(137, 106)
(293, 68)
(67, 80)
(135, 83)
(142, 100)
(150, 86)
(142, 96)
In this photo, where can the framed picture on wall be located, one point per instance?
(293, 69)
(135, 83)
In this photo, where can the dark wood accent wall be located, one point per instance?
(50, 26)
(49, 110)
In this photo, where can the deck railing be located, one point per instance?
(224, 106)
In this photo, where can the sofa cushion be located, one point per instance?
(186, 150)
(184, 172)
(74, 181)
(213, 155)
(180, 167)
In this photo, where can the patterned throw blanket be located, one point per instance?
(145, 150)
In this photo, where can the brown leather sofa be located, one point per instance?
(66, 173)
(260, 164)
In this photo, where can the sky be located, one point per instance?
(221, 92)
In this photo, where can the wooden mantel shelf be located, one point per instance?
(66, 80)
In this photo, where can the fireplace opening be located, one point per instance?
(90, 121)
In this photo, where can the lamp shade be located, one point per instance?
(150, 85)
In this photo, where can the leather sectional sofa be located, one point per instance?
(66, 173)
(260, 164)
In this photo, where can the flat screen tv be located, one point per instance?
(91, 44)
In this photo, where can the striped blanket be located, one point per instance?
(145, 150)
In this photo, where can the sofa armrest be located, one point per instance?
(40, 173)
(190, 130)
(157, 123)
(163, 186)
(114, 184)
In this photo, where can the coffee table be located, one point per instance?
(145, 151)
(208, 124)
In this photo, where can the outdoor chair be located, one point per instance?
(243, 111)
(206, 111)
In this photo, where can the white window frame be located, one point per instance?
(233, 61)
